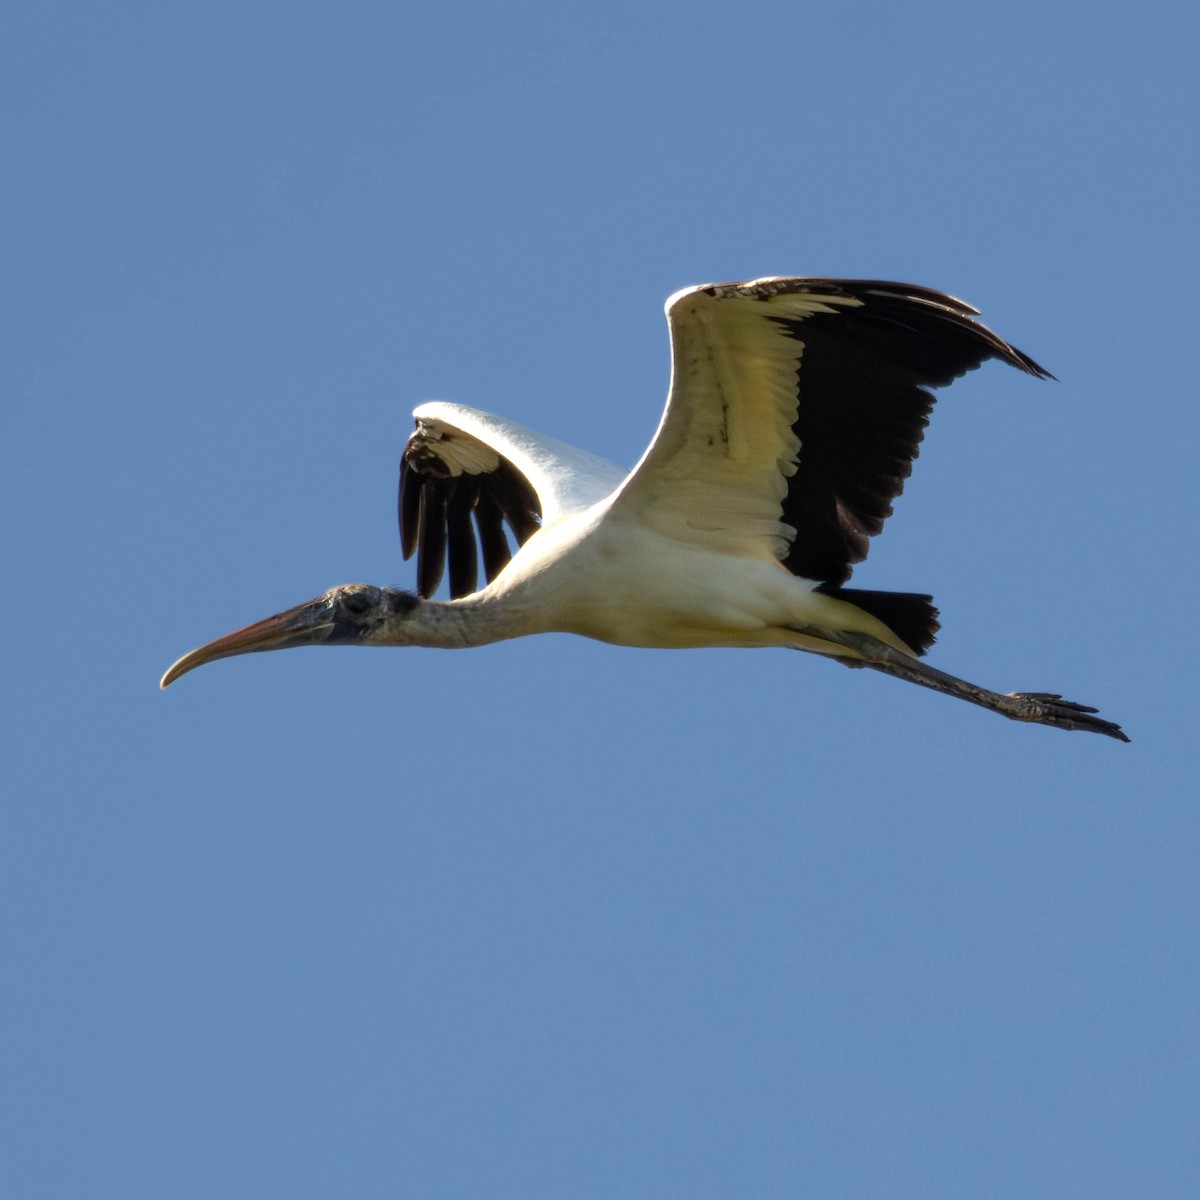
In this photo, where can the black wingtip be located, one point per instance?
(431, 541)
(408, 510)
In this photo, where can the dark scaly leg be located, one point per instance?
(1042, 708)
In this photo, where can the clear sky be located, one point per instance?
(552, 919)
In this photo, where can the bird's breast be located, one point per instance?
(624, 583)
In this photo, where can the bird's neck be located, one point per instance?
(449, 625)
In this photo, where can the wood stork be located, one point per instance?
(795, 410)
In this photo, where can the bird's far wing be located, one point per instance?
(465, 474)
(795, 411)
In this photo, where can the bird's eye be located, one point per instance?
(356, 603)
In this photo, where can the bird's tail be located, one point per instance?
(911, 617)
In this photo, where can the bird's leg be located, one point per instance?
(1042, 708)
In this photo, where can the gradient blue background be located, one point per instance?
(552, 919)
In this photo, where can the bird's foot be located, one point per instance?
(1049, 708)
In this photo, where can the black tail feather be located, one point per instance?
(911, 617)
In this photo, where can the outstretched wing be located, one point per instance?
(796, 409)
(466, 474)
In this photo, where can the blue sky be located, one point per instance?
(553, 919)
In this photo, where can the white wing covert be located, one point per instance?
(466, 474)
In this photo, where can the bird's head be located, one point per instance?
(354, 614)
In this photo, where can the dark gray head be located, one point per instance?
(354, 614)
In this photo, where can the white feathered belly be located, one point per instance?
(622, 583)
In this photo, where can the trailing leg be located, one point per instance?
(1042, 708)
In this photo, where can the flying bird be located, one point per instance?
(795, 410)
